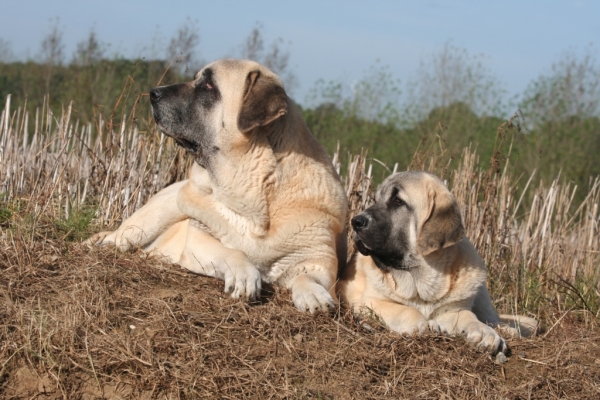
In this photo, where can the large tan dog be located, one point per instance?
(417, 270)
(263, 201)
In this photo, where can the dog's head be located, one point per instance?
(220, 109)
(414, 214)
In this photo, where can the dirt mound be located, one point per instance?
(82, 323)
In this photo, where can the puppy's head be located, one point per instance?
(414, 214)
(220, 109)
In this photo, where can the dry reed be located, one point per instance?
(59, 166)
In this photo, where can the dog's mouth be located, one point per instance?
(385, 262)
(361, 246)
(188, 145)
(396, 263)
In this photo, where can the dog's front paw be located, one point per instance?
(243, 282)
(308, 295)
(485, 338)
(429, 326)
(416, 327)
(100, 239)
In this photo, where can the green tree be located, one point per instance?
(6, 53)
(453, 75)
(183, 48)
(562, 110)
(276, 57)
(52, 51)
(89, 51)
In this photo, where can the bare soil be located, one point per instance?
(80, 323)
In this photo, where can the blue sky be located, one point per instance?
(328, 39)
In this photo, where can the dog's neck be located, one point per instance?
(290, 135)
(240, 185)
(246, 181)
(424, 278)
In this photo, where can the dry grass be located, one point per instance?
(63, 167)
(81, 323)
(101, 324)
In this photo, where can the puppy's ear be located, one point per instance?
(443, 227)
(264, 101)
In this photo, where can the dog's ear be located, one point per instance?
(264, 101)
(443, 225)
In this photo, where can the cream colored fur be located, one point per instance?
(271, 208)
(444, 290)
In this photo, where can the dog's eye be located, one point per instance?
(205, 84)
(399, 202)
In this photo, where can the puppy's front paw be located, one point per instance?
(309, 295)
(243, 282)
(485, 338)
(417, 327)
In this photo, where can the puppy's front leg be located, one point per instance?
(459, 321)
(401, 318)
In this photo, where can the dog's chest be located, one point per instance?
(425, 293)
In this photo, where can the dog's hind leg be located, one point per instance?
(515, 325)
(483, 307)
(518, 325)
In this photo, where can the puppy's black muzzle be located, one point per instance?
(374, 236)
(360, 222)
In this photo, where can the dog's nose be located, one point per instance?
(359, 222)
(155, 94)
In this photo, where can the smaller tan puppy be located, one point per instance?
(417, 270)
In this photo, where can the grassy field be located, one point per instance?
(94, 323)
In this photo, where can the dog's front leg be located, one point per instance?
(147, 223)
(457, 321)
(200, 202)
(401, 318)
(310, 293)
(205, 255)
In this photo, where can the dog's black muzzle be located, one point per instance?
(170, 94)
(373, 237)
(360, 224)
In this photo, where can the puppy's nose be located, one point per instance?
(360, 222)
(155, 94)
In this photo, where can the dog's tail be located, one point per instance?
(518, 325)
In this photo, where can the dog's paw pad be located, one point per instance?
(433, 326)
(314, 300)
(486, 338)
(243, 282)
